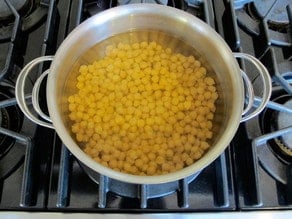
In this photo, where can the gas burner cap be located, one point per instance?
(273, 10)
(284, 121)
(20, 6)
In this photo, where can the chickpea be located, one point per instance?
(143, 109)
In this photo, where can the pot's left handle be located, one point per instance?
(20, 93)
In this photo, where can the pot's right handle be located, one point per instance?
(20, 95)
(267, 87)
(21, 80)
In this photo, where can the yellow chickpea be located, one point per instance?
(143, 109)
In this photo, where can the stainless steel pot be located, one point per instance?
(170, 27)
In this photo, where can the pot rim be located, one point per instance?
(234, 118)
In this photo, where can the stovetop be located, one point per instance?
(38, 173)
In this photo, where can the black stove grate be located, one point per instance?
(12, 45)
(209, 190)
(25, 164)
(265, 17)
(73, 190)
(263, 179)
(46, 177)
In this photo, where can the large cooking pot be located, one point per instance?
(133, 23)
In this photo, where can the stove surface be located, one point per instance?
(38, 173)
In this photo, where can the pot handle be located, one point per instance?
(267, 87)
(21, 80)
(20, 96)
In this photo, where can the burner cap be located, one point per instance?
(284, 121)
(275, 11)
(6, 13)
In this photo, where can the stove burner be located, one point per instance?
(273, 10)
(30, 11)
(9, 119)
(273, 155)
(6, 15)
(284, 121)
(132, 190)
(11, 153)
(270, 133)
(154, 191)
(275, 120)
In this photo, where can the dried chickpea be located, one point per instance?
(143, 109)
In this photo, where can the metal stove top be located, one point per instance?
(38, 173)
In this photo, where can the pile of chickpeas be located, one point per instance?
(143, 109)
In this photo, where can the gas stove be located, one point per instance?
(38, 173)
